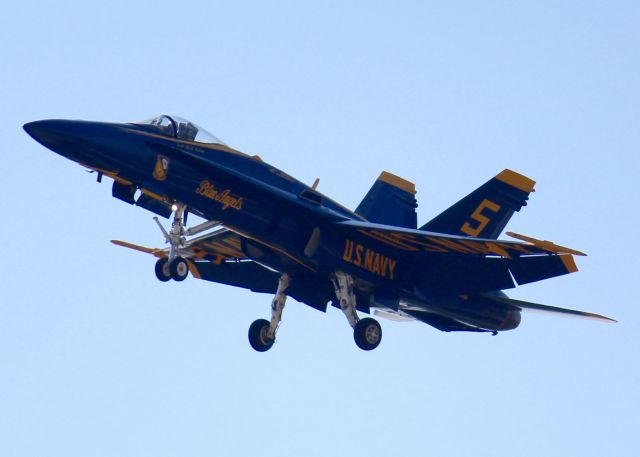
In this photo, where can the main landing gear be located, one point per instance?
(262, 333)
(367, 332)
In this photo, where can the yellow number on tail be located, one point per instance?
(480, 218)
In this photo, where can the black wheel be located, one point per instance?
(162, 270)
(367, 333)
(258, 335)
(179, 269)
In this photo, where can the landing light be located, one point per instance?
(174, 207)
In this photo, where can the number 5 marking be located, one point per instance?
(480, 218)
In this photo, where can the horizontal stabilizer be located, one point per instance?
(486, 211)
(391, 201)
(531, 269)
(524, 305)
(544, 244)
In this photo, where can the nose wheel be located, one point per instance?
(162, 270)
(179, 269)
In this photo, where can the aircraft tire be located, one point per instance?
(367, 334)
(258, 335)
(179, 269)
(163, 272)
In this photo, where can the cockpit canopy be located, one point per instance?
(177, 127)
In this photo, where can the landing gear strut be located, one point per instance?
(175, 266)
(367, 332)
(262, 333)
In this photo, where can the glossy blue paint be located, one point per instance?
(442, 274)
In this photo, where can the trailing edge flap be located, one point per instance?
(524, 305)
(486, 211)
(391, 200)
(216, 246)
(248, 275)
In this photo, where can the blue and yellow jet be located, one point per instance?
(270, 233)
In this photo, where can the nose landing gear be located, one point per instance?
(175, 266)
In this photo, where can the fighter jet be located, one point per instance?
(268, 232)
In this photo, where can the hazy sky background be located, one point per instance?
(97, 358)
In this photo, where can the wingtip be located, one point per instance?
(604, 318)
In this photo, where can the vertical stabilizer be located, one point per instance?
(391, 200)
(486, 211)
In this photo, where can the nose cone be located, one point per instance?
(76, 140)
(34, 128)
(54, 134)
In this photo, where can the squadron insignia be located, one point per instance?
(161, 168)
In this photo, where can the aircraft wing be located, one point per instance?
(411, 241)
(216, 246)
(452, 263)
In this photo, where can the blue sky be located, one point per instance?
(97, 358)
